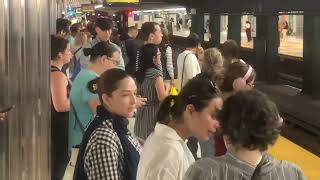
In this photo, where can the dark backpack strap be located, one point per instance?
(77, 51)
(54, 69)
(184, 61)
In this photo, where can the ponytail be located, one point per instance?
(87, 51)
(167, 110)
(93, 85)
(198, 92)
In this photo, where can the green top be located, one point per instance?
(80, 97)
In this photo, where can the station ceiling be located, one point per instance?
(219, 6)
(251, 6)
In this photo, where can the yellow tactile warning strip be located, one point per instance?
(284, 149)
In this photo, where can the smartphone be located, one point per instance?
(6, 109)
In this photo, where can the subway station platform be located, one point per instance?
(292, 48)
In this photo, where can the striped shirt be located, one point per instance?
(145, 119)
(169, 64)
(229, 167)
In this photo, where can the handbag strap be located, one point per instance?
(77, 120)
(184, 61)
(77, 50)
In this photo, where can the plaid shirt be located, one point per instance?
(103, 158)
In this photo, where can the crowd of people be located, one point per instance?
(101, 77)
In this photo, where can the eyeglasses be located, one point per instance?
(115, 62)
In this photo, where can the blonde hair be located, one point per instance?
(213, 65)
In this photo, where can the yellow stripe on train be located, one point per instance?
(284, 149)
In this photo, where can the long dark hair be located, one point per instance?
(199, 91)
(100, 49)
(147, 53)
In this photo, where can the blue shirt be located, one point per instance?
(80, 97)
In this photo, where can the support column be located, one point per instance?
(307, 53)
(272, 47)
(197, 24)
(266, 46)
(234, 28)
(259, 46)
(214, 29)
(24, 80)
(311, 55)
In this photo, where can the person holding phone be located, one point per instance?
(150, 85)
(4, 111)
(2, 116)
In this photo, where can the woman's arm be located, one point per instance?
(58, 85)
(161, 88)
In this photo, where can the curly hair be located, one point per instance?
(213, 65)
(251, 120)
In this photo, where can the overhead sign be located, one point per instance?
(88, 8)
(122, 1)
(78, 3)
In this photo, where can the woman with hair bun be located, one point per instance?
(250, 123)
(103, 56)
(108, 150)
(165, 155)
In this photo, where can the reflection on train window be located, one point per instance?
(206, 27)
(290, 29)
(248, 31)
(176, 21)
(223, 28)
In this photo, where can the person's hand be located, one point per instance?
(200, 53)
(2, 116)
(172, 83)
(167, 87)
(141, 141)
(140, 101)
